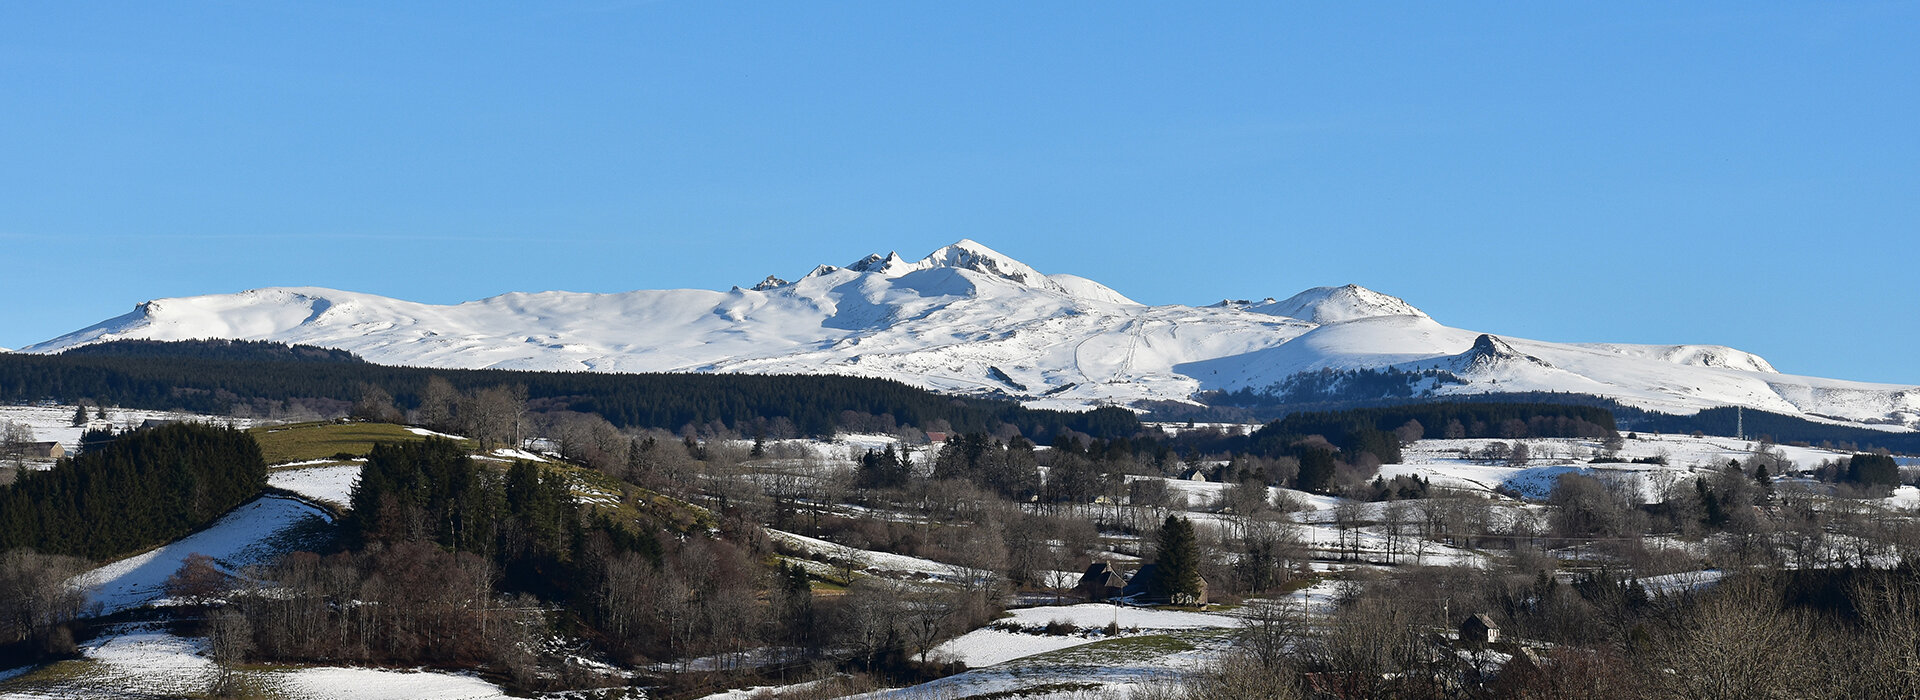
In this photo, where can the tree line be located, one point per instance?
(204, 380)
(145, 488)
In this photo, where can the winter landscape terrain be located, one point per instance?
(968, 319)
(1047, 645)
(888, 558)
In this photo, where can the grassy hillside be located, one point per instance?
(305, 442)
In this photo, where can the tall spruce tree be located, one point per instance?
(1177, 568)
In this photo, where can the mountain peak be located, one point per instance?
(1325, 305)
(965, 254)
(891, 264)
(1490, 351)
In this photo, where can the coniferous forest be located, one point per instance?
(145, 488)
(215, 377)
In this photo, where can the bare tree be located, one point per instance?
(14, 436)
(35, 601)
(868, 618)
(438, 403)
(375, 405)
(929, 614)
(495, 416)
(1736, 643)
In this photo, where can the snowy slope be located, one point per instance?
(251, 534)
(966, 318)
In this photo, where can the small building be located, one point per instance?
(936, 437)
(1100, 582)
(43, 450)
(1140, 588)
(1479, 629)
(1194, 474)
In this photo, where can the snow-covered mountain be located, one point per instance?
(968, 319)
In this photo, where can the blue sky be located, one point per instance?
(1745, 173)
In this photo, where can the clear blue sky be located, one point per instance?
(1742, 173)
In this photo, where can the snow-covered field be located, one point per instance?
(1107, 664)
(144, 660)
(1100, 614)
(138, 660)
(331, 484)
(872, 562)
(988, 646)
(253, 533)
(1443, 464)
(336, 683)
(55, 423)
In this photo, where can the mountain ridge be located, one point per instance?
(968, 319)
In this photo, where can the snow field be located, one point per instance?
(1442, 464)
(1100, 614)
(872, 562)
(144, 660)
(328, 484)
(251, 534)
(338, 683)
(136, 659)
(988, 646)
(55, 423)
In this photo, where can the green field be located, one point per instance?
(302, 442)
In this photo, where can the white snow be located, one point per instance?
(760, 691)
(145, 660)
(423, 432)
(1441, 461)
(331, 484)
(335, 683)
(140, 659)
(988, 646)
(243, 537)
(1681, 582)
(55, 423)
(965, 314)
(513, 454)
(871, 561)
(1099, 615)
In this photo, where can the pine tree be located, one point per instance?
(1765, 479)
(80, 416)
(1177, 568)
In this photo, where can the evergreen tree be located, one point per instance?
(1316, 471)
(1873, 470)
(80, 416)
(1714, 514)
(881, 469)
(1177, 568)
(145, 488)
(1765, 479)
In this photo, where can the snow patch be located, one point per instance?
(248, 535)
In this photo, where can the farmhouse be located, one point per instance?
(1480, 629)
(43, 450)
(1142, 584)
(1100, 582)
